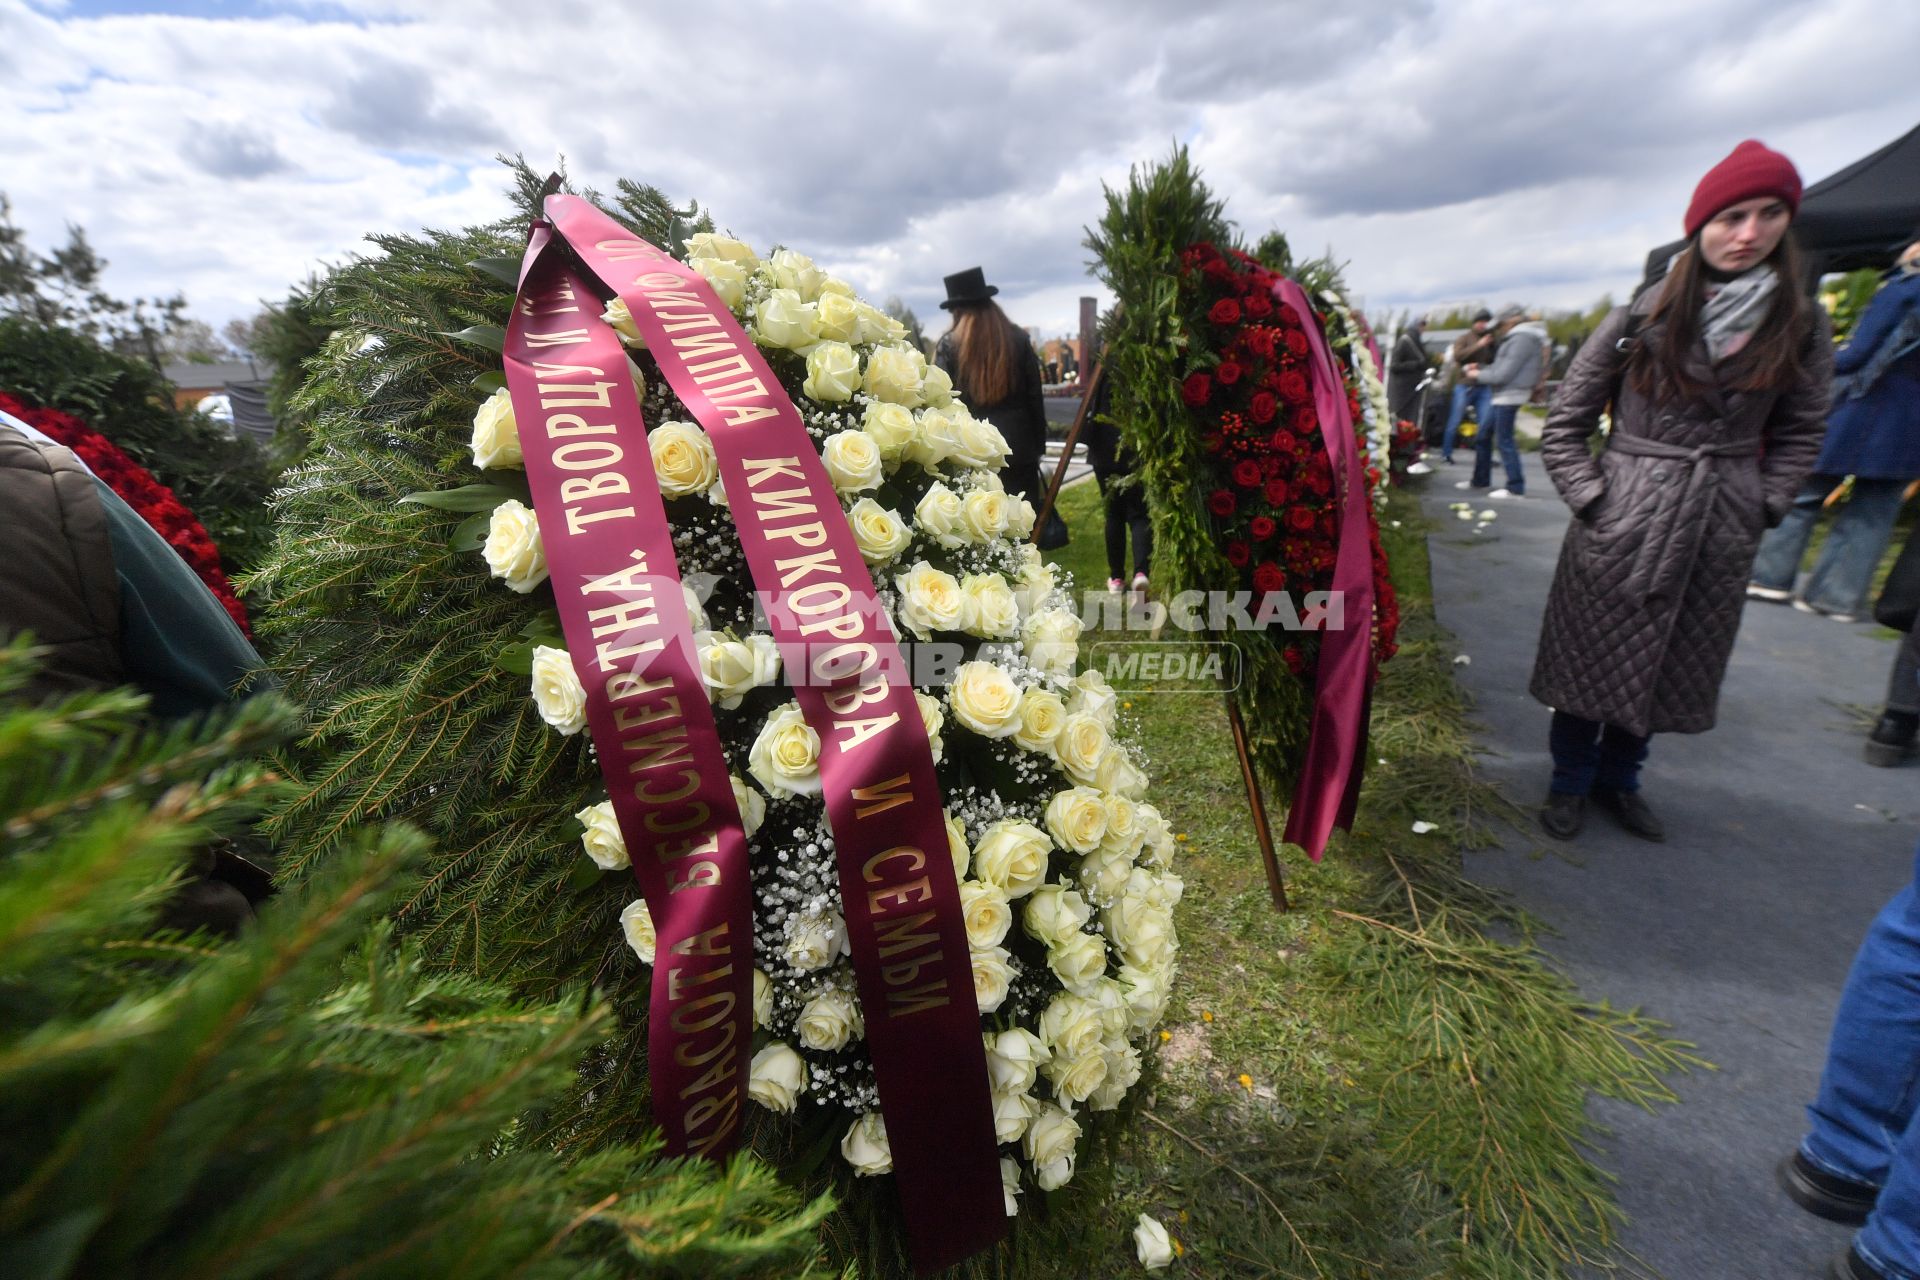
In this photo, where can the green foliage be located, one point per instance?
(222, 480)
(1846, 298)
(1151, 341)
(63, 289)
(309, 1100)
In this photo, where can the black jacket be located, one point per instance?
(1021, 417)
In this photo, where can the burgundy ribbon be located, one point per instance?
(1329, 788)
(883, 801)
(610, 557)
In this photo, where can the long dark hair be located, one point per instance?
(987, 351)
(1769, 362)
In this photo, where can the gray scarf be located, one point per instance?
(1734, 310)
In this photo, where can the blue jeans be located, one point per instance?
(1588, 754)
(1463, 391)
(1863, 1117)
(1844, 571)
(1503, 416)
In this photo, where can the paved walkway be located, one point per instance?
(1782, 845)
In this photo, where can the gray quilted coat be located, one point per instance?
(1652, 576)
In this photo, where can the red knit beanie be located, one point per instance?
(1751, 169)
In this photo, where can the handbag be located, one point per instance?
(1054, 534)
(1899, 600)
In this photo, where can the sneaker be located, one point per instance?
(1807, 606)
(1893, 739)
(1772, 595)
(1140, 583)
(1116, 586)
(1823, 1194)
(1467, 484)
(1563, 815)
(1631, 812)
(1505, 493)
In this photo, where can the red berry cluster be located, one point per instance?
(139, 490)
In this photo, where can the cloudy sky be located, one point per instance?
(1448, 150)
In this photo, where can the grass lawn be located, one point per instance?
(1386, 1082)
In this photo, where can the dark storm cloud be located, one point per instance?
(392, 105)
(223, 150)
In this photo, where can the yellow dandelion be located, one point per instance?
(1179, 1250)
(1165, 1036)
(1246, 1082)
(1182, 837)
(1206, 1015)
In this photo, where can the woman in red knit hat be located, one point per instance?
(1716, 380)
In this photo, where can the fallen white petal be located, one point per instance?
(1462, 660)
(1489, 514)
(1421, 828)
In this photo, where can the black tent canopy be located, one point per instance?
(1858, 217)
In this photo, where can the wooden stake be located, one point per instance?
(1276, 882)
(1066, 452)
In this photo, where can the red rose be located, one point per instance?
(1262, 528)
(1218, 270)
(1293, 387)
(1289, 318)
(1306, 419)
(1228, 373)
(1277, 492)
(1221, 503)
(1260, 342)
(1283, 441)
(1246, 473)
(1263, 408)
(1300, 519)
(1268, 578)
(1260, 306)
(1296, 661)
(1238, 553)
(1196, 389)
(1225, 311)
(1296, 342)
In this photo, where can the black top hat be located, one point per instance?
(967, 287)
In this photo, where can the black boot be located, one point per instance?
(1826, 1195)
(1631, 812)
(1892, 739)
(1564, 815)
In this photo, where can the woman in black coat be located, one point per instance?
(993, 365)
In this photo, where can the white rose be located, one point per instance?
(1104, 875)
(1145, 936)
(1012, 856)
(1147, 991)
(1124, 833)
(938, 513)
(727, 279)
(1120, 775)
(1077, 960)
(1077, 819)
(496, 437)
(936, 387)
(840, 320)
(833, 374)
(996, 614)
(1051, 639)
(683, 459)
(1094, 696)
(877, 326)
(796, 271)
(1014, 1059)
(1157, 834)
(891, 426)
(557, 692)
(1041, 715)
(893, 375)
(785, 758)
(1010, 1183)
(601, 836)
(992, 974)
(1049, 1145)
(984, 513)
(977, 443)
(1012, 1112)
(984, 909)
(733, 668)
(853, 461)
(1081, 746)
(1075, 1079)
(623, 324)
(985, 699)
(696, 612)
(753, 809)
(1021, 518)
(783, 319)
(513, 549)
(933, 441)
(880, 534)
(957, 847)
(705, 244)
(930, 601)
(1151, 1244)
(636, 922)
(830, 1019)
(1071, 1026)
(865, 1146)
(1055, 913)
(932, 719)
(1110, 999)
(762, 999)
(777, 1077)
(1037, 582)
(815, 939)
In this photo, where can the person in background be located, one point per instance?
(1516, 368)
(1475, 347)
(114, 605)
(1122, 493)
(1717, 379)
(992, 362)
(1405, 367)
(1873, 435)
